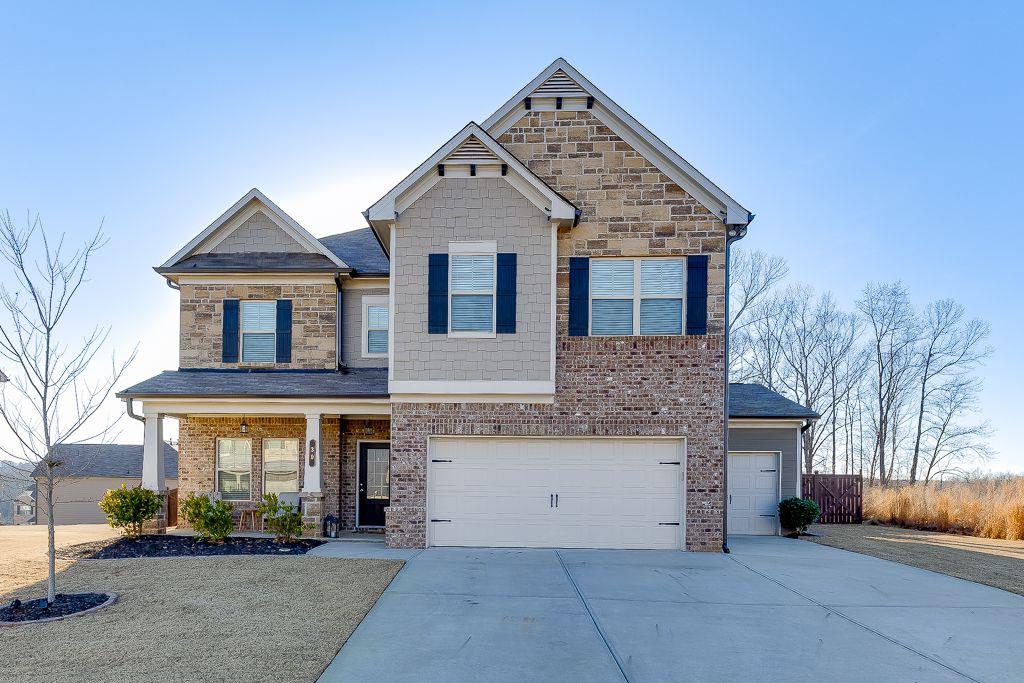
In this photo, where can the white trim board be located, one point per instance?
(634, 133)
(264, 406)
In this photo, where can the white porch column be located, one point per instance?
(153, 453)
(311, 456)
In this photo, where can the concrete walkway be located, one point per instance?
(773, 609)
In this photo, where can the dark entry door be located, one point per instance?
(374, 482)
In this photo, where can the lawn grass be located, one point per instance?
(23, 550)
(993, 562)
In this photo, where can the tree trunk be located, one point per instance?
(920, 421)
(51, 548)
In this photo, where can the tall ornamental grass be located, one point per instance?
(990, 508)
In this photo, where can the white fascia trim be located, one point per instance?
(286, 222)
(350, 283)
(682, 172)
(741, 423)
(265, 406)
(256, 278)
(384, 211)
(470, 387)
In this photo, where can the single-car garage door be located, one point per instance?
(558, 493)
(753, 493)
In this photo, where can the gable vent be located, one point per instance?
(472, 151)
(559, 84)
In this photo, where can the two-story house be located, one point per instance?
(525, 348)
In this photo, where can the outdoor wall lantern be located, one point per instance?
(245, 428)
(312, 452)
(330, 526)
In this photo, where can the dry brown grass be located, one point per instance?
(23, 550)
(992, 508)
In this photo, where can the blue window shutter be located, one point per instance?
(505, 315)
(579, 296)
(284, 330)
(229, 332)
(697, 294)
(437, 294)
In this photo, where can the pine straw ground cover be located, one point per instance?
(262, 618)
(993, 562)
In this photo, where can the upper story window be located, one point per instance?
(637, 296)
(375, 326)
(259, 331)
(471, 289)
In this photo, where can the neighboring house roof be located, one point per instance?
(252, 201)
(757, 401)
(561, 80)
(105, 460)
(26, 497)
(356, 382)
(256, 260)
(469, 146)
(3, 377)
(360, 250)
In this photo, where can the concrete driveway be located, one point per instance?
(773, 609)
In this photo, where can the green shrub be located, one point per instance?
(129, 508)
(798, 513)
(283, 519)
(211, 519)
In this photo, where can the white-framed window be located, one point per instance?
(637, 296)
(472, 273)
(24, 509)
(375, 327)
(280, 466)
(234, 469)
(258, 331)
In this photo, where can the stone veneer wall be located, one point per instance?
(354, 431)
(197, 453)
(314, 311)
(612, 386)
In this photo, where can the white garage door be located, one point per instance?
(558, 493)
(753, 493)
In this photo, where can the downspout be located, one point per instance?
(337, 324)
(733, 233)
(131, 411)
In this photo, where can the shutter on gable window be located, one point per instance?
(229, 332)
(284, 330)
(697, 294)
(505, 315)
(579, 296)
(437, 294)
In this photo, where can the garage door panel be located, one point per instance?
(612, 493)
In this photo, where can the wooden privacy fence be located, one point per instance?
(839, 496)
(172, 507)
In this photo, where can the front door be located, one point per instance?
(374, 482)
(753, 494)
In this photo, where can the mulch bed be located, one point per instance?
(64, 605)
(184, 546)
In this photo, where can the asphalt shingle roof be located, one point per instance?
(256, 260)
(105, 460)
(360, 250)
(356, 382)
(755, 400)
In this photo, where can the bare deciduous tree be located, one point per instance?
(53, 394)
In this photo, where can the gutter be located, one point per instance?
(131, 411)
(733, 233)
(338, 311)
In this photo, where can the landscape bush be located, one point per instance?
(129, 509)
(796, 514)
(284, 520)
(991, 508)
(211, 519)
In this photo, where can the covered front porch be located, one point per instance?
(332, 453)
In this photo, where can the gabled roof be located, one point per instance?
(470, 146)
(360, 250)
(561, 79)
(105, 460)
(757, 401)
(272, 210)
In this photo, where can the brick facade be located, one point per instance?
(314, 312)
(617, 386)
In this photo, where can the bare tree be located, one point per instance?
(950, 348)
(950, 444)
(752, 277)
(53, 394)
(892, 329)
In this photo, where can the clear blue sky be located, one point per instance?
(873, 140)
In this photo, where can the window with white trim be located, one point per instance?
(472, 271)
(234, 468)
(259, 331)
(375, 327)
(637, 296)
(280, 466)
